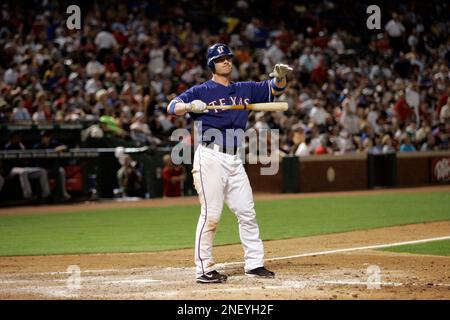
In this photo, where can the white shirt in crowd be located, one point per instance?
(105, 40)
(250, 31)
(303, 150)
(377, 72)
(20, 114)
(92, 86)
(344, 142)
(156, 60)
(336, 44)
(413, 99)
(372, 118)
(307, 62)
(318, 115)
(273, 56)
(444, 115)
(394, 28)
(140, 132)
(11, 76)
(94, 67)
(39, 116)
(413, 41)
(350, 122)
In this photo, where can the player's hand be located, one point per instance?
(197, 106)
(280, 71)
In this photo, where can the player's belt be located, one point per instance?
(219, 148)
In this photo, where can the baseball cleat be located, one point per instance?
(212, 277)
(260, 272)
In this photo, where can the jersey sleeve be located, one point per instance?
(187, 96)
(261, 92)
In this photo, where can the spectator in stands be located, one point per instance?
(429, 144)
(20, 113)
(105, 40)
(173, 178)
(140, 131)
(406, 145)
(319, 115)
(304, 149)
(4, 111)
(127, 51)
(349, 118)
(372, 146)
(402, 109)
(25, 173)
(307, 65)
(273, 55)
(323, 147)
(42, 106)
(110, 127)
(396, 32)
(444, 115)
(386, 143)
(345, 142)
(12, 75)
(53, 168)
(129, 178)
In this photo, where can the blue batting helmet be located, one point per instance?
(216, 51)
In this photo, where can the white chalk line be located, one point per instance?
(319, 253)
(229, 264)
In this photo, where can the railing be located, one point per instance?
(71, 153)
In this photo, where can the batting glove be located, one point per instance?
(280, 71)
(197, 106)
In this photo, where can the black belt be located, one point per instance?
(217, 147)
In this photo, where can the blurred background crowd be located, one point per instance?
(352, 90)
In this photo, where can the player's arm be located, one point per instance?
(279, 83)
(180, 108)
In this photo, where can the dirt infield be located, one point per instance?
(307, 268)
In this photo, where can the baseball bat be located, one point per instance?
(268, 106)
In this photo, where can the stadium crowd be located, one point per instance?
(352, 90)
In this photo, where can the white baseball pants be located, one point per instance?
(27, 173)
(62, 181)
(220, 177)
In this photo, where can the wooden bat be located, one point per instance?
(268, 106)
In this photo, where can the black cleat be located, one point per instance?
(260, 272)
(212, 277)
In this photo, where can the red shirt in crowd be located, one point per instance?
(320, 150)
(402, 108)
(171, 188)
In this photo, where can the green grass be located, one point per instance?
(436, 248)
(156, 229)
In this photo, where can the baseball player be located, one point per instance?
(218, 171)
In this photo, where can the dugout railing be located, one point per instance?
(92, 172)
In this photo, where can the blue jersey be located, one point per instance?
(216, 94)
